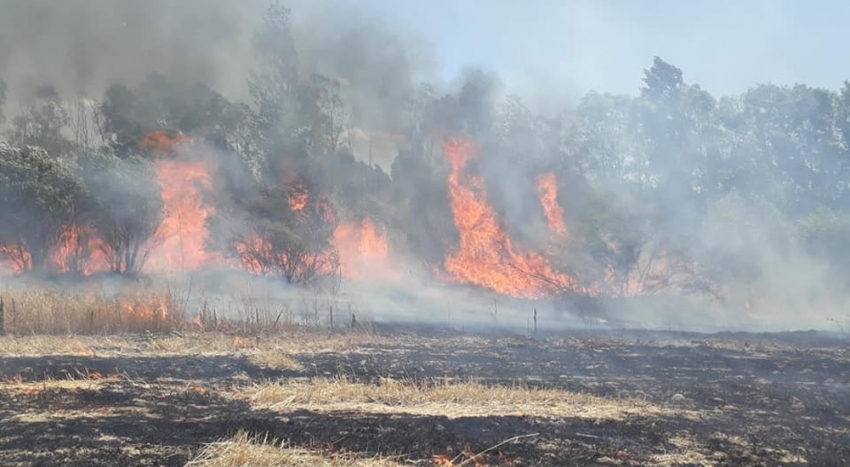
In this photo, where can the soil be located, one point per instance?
(734, 400)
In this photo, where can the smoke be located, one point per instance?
(83, 46)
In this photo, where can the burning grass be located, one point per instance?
(441, 397)
(246, 450)
(56, 311)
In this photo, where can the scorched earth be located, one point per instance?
(425, 397)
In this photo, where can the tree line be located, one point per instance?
(671, 188)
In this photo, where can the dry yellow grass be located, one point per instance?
(55, 311)
(274, 352)
(40, 345)
(444, 397)
(291, 342)
(86, 382)
(245, 451)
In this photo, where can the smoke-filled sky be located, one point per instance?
(544, 47)
(725, 45)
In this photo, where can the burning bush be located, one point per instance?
(39, 199)
(623, 197)
(287, 234)
(127, 210)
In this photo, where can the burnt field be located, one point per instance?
(399, 397)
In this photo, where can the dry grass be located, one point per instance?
(88, 382)
(55, 311)
(40, 345)
(89, 309)
(292, 342)
(274, 352)
(444, 397)
(244, 451)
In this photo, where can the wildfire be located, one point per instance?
(363, 250)
(485, 255)
(547, 189)
(298, 198)
(160, 143)
(14, 259)
(181, 242)
(79, 250)
(146, 306)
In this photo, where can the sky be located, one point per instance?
(573, 46)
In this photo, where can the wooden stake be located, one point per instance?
(535, 321)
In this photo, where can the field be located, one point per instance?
(413, 396)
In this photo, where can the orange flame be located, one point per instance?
(248, 252)
(298, 198)
(547, 189)
(485, 255)
(14, 259)
(79, 250)
(160, 143)
(181, 242)
(363, 251)
(147, 307)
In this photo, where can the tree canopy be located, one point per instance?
(668, 189)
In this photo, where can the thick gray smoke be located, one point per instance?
(83, 46)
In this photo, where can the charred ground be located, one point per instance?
(589, 398)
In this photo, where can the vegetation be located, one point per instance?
(672, 188)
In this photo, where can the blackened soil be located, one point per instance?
(737, 401)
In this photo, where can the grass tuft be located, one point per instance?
(444, 397)
(244, 450)
(57, 311)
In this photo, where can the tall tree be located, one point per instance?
(43, 123)
(127, 207)
(274, 87)
(39, 197)
(287, 233)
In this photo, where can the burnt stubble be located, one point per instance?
(637, 399)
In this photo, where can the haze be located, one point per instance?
(552, 47)
(697, 142)
(574, 46)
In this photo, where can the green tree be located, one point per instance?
(39, 197)
(287, 236)
(159, 103)
(677, 120)
(274, 86)
(800, 142)
(42, 124)
(127, 207)
(604, 138)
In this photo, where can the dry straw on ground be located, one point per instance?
(440, 397)
(243, 451)
(56, 311)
